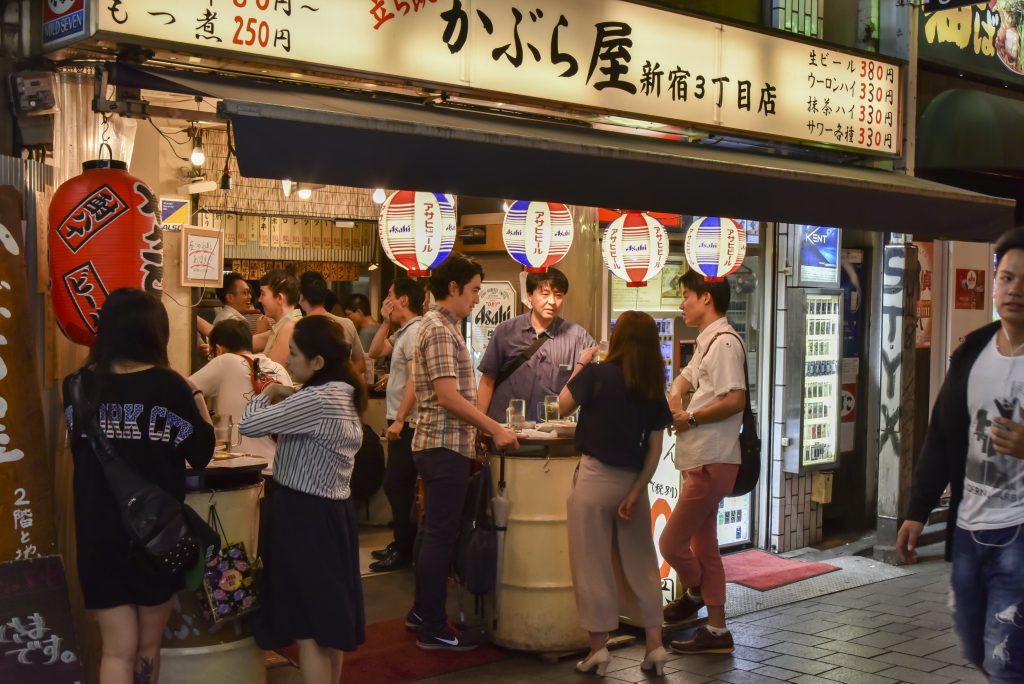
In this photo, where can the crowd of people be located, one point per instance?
(304, 417)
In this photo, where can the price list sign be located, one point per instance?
(608, 58)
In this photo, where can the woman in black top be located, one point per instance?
(155, 421)
(611, 551)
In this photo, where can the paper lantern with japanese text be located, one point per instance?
(715, 246)
(537, 234)
(417, 229)
(635, 247)
(104, 234)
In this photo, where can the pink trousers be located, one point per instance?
(689, 541)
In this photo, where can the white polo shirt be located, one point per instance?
(715, 370)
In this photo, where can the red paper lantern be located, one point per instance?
(104, 234)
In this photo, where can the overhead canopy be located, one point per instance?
(323, 137)
(971, 130)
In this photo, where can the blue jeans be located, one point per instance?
(988, 591)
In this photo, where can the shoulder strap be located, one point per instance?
(525, 356)
(87, 422)
(746, 377)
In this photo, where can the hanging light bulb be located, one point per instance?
(286, 187)
(372, 267)
(304, 193)
(379, 196)
(198, 156)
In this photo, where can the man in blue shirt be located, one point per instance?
(549, 366)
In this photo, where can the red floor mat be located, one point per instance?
(764, 571)
(390, 656)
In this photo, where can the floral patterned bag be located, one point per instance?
(229, 586)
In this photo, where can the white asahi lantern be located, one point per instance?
(417, 230)
(635, 248)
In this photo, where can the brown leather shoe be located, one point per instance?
(704, 641)
(682, 609)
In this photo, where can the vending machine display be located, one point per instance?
(813, 387)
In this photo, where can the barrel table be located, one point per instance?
(535, 601)
(195, 649)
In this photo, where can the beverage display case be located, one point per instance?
(813, 387)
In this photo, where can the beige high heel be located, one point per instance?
(597, 662)
(655, 660)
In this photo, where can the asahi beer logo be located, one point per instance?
(497, 302)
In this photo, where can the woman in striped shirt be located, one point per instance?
(310, 548)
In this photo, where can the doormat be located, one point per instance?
(391, 656)
(763, 571)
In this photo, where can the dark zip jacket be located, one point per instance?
(943, 459)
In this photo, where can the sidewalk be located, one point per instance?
(898, 630)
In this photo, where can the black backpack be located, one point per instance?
(368, 468)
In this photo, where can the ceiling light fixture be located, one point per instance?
(286, 187)
(379, 196)
(198, 156)
(304, 193)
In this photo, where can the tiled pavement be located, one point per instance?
(899, 630)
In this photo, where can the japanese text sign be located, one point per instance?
(982, 37)
(608, 55)
(37, 639)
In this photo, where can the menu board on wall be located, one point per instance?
(613, 56)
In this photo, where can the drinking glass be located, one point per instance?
(551, 407)
(516, 413)
(602, 351)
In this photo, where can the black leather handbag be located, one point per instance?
(169, 532)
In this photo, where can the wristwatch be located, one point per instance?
(692, 421)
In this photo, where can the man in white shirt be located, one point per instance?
(313, 291)
(404, 308)
(236, 296)
(227, 381)
(708, 455)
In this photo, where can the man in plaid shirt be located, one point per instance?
(443, 446)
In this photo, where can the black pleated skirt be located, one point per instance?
(311, 587)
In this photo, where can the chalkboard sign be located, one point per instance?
(37, 638)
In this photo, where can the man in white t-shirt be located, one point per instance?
(404, 308)
(708, 455)
(227, 381)
(975, 445)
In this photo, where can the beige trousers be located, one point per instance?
(613, 562)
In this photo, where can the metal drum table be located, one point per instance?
(536, 606)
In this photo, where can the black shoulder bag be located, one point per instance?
(750, 443)
(169, 531)
(525, 355)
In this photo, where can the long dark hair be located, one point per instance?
(132, 327)
(636, 346)
(321, 336)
